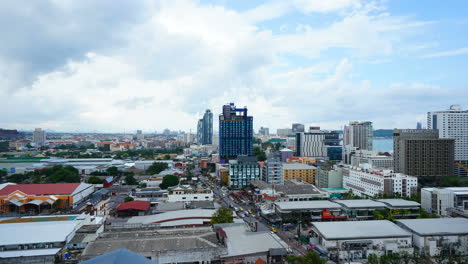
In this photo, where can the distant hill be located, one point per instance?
(383, 133)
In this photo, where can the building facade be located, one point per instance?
(373, 158)
(370, 182)
(453, 124)
(241, 173)
(328, 177)
(310, 145)
(264, 131)
(235, 132)
(445, 201)
(39, 137)
(272, 172)
(420, 152)
(297, 128)
(359, 135)
(284, 132)
(299, 171)
(205, 129)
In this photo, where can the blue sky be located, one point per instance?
(118, 65)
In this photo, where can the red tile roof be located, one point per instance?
(41, 189)
(134, 205)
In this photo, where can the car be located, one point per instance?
(273, 229)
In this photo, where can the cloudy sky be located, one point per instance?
(110, 66)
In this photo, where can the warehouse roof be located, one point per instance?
(436, 226)
(359, 230)
(41, 189)
(241, 241)
(307, 205)
(29, 253)
(361, 203)
(35, 232)
(399, 203)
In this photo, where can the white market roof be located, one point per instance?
(361, 203)
(436, 226)
(307, 205)
(29, 253)
(399, 202)
(359, 229)
(36, 232)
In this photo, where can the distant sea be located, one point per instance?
(383, 144)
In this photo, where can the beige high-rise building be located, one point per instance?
(39, 137)
(299, 171)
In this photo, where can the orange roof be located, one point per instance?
(260, 261)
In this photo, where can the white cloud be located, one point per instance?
(182, 57)
(461, 51)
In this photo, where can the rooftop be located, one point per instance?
(436, 226)
(134, 205)
(359, 229)
(119, 256)
(361, 203)
(41, 189)
(399, 203)
(241, 241)
(172, 215)
(29, 253)
(36, 232)
(297, 166)
(308, 205)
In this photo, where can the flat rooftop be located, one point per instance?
(436, 226)
(399, 203)
(241, 241)
(359, 230)
(297, 166)
(35, 232)
(307, 205)
(361, 203)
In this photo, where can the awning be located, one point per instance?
(16, 202)
(49, 201)
(35, 202)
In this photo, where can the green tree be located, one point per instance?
(130, 180)
(373, 259)
(222, 215)
(378, 215)
(128, 199)
(94, 180)
(167, 157)
(168, 181)
(310, 258)
(113, 171)
(157, 167)
(260, 154)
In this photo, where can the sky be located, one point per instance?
(117, 65)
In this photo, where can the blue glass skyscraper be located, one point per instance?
(235, 132)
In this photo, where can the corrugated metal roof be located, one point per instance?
(119, 256)
(359, 229)
(35, 232)
(40, 189)
(436, 226)
(29, 253)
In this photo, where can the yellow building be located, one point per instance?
(303, 160)
(299, 171)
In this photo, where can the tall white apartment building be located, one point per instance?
(371, 182)
(453, 124)
(373, 158)
(39, 137)
(356, 136)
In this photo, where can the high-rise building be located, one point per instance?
(284, 132)
(140, 135)
(418, 125)
(358, 135)
(235, 132)
(317, 143)
(296, 128)
(264, 131)
(453, 123)
(299, 171)
(10, 134)
(420, 152)
(242, 172)
(39, 137)
(329, 177)
(205, 129)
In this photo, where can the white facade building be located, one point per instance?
(184, 193)
(372, 158)
(311, 145)
(453, 124)
(445, 201)
(356, 240)
(371, 182)
(438, 235)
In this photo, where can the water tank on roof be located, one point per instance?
(456, 107)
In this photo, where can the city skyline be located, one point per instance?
(110, 66)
